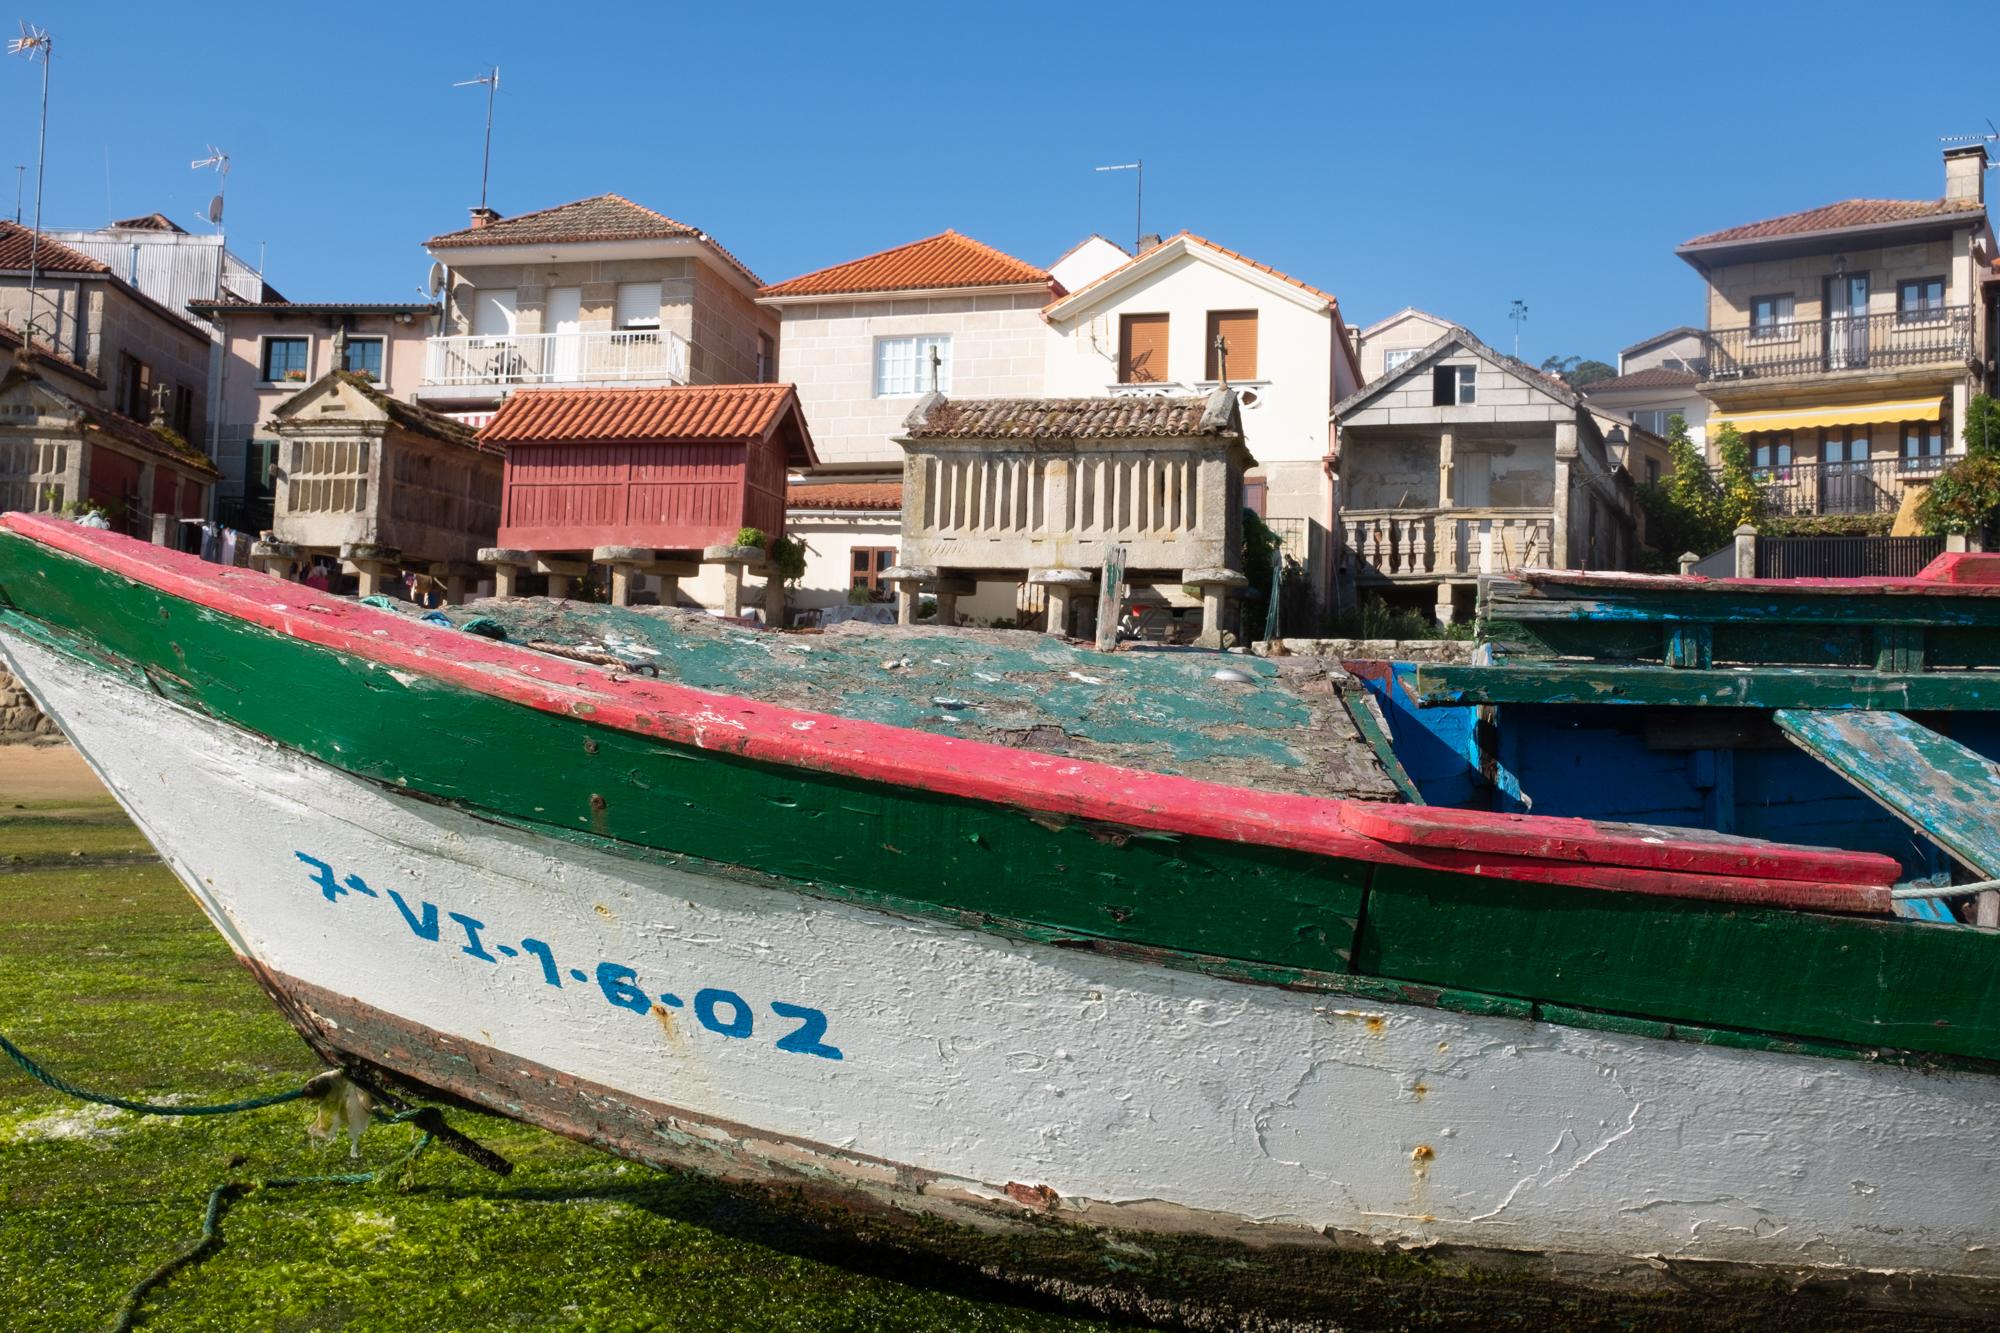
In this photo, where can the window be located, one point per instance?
(1658, 420)
(285, 359)
(1396, 356)
(767, 359)
(1923, 446)
(1652, 472)
(363, 356)
(638, 305)
(867, 565)
(1771, 456)
(1142, 349)
(183, 411)
(135, 387)
(903, 365)
(1238, 331)
(1256, 494)
(1920, 301)
(1454, 385)
(1771, 316)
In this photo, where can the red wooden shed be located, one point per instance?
(675, 469)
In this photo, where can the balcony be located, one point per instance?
(1425, 545)
(598, 356)
(1842, 344)
(1865, 486)
(1249, 393)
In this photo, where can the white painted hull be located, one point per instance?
(1106, 1089)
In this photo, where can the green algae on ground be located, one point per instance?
(114, 979)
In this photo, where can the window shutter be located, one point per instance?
(1142, 349)
(1238, 328)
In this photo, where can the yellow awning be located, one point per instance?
(1852, 414)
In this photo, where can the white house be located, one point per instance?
(866, 339)
(1388, 343)
(1187, 313)
(1657, 378)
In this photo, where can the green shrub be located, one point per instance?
(750, 537)
(1966, 496)
(788, 556)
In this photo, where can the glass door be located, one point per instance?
(1845, 486)
(1847, 322)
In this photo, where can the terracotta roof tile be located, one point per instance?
(150, 222)
(604, 217)
(1653, 377)
(16, 241)
(736, 412)
(883, 495)
(1846, 213)
(945, 260)
(1124, 417)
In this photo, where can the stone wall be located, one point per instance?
(20, 721)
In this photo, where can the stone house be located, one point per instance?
(1464, 461)
(143, 354)
(1152, 325)
(269, 351)
(1845, 342)
(598, 292)
(1388, 343)
(864, 341)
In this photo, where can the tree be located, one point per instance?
(1966, 496)
(1577, 371)
(1742, 499)
(1683, 509)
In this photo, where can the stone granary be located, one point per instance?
(381, 484)
(59, 450)
(649, 481)
(1041, 489)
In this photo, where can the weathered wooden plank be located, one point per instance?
(1748, 687)
(1110, 598)
(1865, 602)
(1932, 783)
(1839, 978)
(1368, 720)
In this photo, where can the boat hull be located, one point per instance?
(1268, 1139)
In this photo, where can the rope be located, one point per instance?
(311, 1088)
(1947, 890)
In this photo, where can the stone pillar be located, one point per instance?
(1688, 561)
(1445, 463)
(909, 581)
(1559, 500)
(1447, 604)
(1218, 588)
(1064, 587)
(507, 566)
(1746, 551)
(560, 586)
(273, 558)
(563, 574)
(948, 592)
(774, 600)
(734, 560)
(459, 580)
(374, 566)
(626, 564)
(163, 529)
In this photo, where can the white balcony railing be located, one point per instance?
(1249, 393)
(597, 356)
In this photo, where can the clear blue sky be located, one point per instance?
(1444, 156)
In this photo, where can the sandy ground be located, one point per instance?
(46, 773)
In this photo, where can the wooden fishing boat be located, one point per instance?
(1183, 1049)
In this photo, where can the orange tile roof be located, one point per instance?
(945, 260)
(699, 412)
(603, 217)
(16, 241)
(884, 495)
(1846, 213)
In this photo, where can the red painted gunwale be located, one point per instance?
(1513, 847)
(1953, 574)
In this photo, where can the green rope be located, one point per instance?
(41, 1075)
(222, 1196)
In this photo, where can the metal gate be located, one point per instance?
(1845, 557)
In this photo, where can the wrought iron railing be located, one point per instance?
(1868, 486)
(1845, 557)
(1935, 336)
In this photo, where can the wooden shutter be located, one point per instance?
(1142, 349)
(1238, 328)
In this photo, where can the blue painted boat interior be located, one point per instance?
(1595, 762)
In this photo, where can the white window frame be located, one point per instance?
(1467, 391)
(264, 360)
(1395, 358)
(888, 383)
(642, 323)
(382, 375)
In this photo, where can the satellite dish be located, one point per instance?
(437, 278)
(215, 210)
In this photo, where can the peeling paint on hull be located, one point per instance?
(987, 1083)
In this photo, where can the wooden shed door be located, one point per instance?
(1237, 328)
(1142, 349)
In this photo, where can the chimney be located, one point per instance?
(1150, 241)
(484, 217)
(1965, 172)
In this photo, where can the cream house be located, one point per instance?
(1388, 343)
(864, 341)
(1846, 341)
(598, 292)
(1188, 315)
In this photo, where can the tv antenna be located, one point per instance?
(219, 160)
(1137, 166)
(491, 79)
(34, 42)
(1518, 312)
